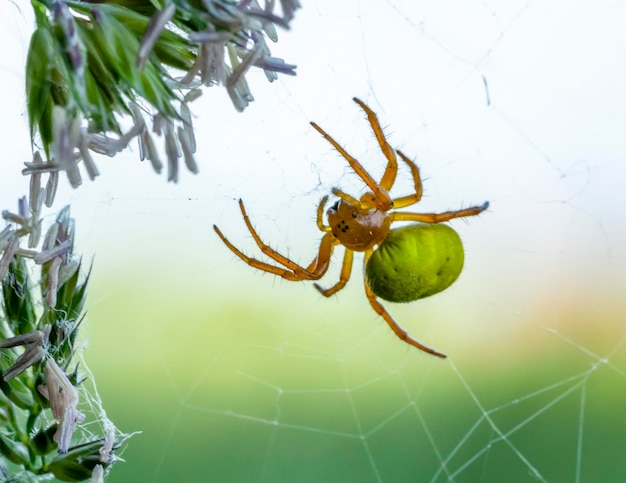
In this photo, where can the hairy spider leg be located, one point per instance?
(292, 271)
(389, 176)
(320, 215)
(411, 199)
(344, 276)
(346, 197)
(381, 197)
(439, 217)
(380, 310)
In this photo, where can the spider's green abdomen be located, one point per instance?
(415, 261)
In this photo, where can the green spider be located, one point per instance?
(400, 264)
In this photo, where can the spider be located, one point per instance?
(400, 264)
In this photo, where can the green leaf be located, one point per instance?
(43, 443)
(13, 450)
(119, 47)
(78, 463)
(18, 392)
(17, 300)
(39, 84)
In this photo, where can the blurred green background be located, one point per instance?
(233, 376)
(236, 376)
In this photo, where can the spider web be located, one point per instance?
(234, 375)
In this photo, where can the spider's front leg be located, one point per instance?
(291, 271)
(389, 176)
(382, 199)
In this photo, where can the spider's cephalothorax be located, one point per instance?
(357, 227)
(400, 265)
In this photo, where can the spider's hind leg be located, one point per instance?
(417, 182)
(399, 331)
(344, 276)
(439, 217)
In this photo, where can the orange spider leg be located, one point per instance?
(399, 331)
(266, 267)
(346, 197)
(266, 249)
(417, 181)
(380, 195)
(292, 271)
(320, 215)
(314, 271)
(344, 276)
(320, 225)
(389, 176)
(439, 217)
